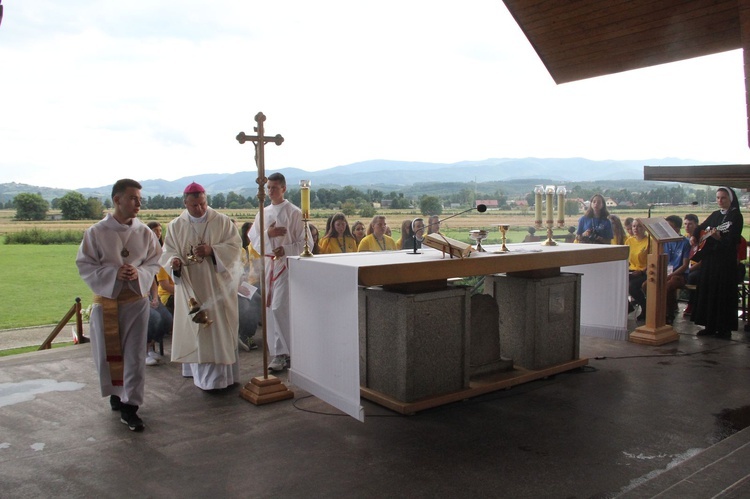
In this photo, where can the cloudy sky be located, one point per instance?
(95, 90)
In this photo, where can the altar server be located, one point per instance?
(284, 236)
(118, 259)
(202, 248)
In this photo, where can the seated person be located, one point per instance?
(694, 268)
(359, 231)
(594, 226)
(414, 235)
(248, 295)
(314, 246)
(678, 259)
(433, 224)
(165, 289)
(531, 237)
(618, 231)
(339, 238)
(159, 318)
(638, 244)
(159, 325)
(376, 238)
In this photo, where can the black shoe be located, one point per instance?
(129, 417)
(114, 402)
(631, 307)
(726, 335)
(705, 332)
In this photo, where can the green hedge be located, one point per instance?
(40, 236)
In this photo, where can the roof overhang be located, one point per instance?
(737, 176)
(578, 39)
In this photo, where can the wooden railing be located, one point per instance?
(80, 338)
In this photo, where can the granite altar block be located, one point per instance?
(539, 318)
(414, 345)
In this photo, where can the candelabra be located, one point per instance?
(550, 222)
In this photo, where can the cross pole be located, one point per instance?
(265, 390)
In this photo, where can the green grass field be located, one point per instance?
(39, 284)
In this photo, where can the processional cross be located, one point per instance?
(261, 391)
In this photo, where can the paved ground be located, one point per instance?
(639, 421)
(35, 336)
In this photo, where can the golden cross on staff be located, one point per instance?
(266, 389)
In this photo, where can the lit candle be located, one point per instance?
(561, 191)
(538, 205)
(305, 198)
(550, 204)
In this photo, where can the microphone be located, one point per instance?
(481, 208)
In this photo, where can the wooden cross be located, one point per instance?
(260, 141)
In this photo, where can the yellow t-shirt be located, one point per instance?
(638, 253)
(369, 243)
(329, 245)
(163, 275)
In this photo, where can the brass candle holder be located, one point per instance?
(304, 186)
(549, 241)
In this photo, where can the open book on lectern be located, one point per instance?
(660, 230)
(448, 245)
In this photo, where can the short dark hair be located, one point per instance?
(122, 185)
(278, 177)
(692, 217)
(676, 221)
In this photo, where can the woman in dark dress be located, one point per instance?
(716, 302)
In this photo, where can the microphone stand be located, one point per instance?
(480, 208)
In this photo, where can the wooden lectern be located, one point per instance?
(656, 331)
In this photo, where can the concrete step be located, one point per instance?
(721, 471)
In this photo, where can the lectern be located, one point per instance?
(656, 331)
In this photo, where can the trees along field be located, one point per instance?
(40, 282)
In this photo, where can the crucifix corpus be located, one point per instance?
(265, 389)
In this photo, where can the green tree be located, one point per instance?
(349, 207)
(96, 208)
(367, 211)
(430, 205)
(30, 206)
(219, 201)
(74, 206)
(571, 207)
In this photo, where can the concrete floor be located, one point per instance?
(635, 413)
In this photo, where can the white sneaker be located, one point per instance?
(150, 361)
(155, 355)
(243, 345)
(278, 363)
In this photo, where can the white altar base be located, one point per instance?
(325, 306)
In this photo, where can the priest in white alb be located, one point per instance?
(202, 248)
(118, 259)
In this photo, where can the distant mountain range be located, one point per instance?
(399, 176)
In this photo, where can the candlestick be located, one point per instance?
(550, 206)
(538, 205)
(561, 191)
(305, 199)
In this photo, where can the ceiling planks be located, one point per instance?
(578, 39)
